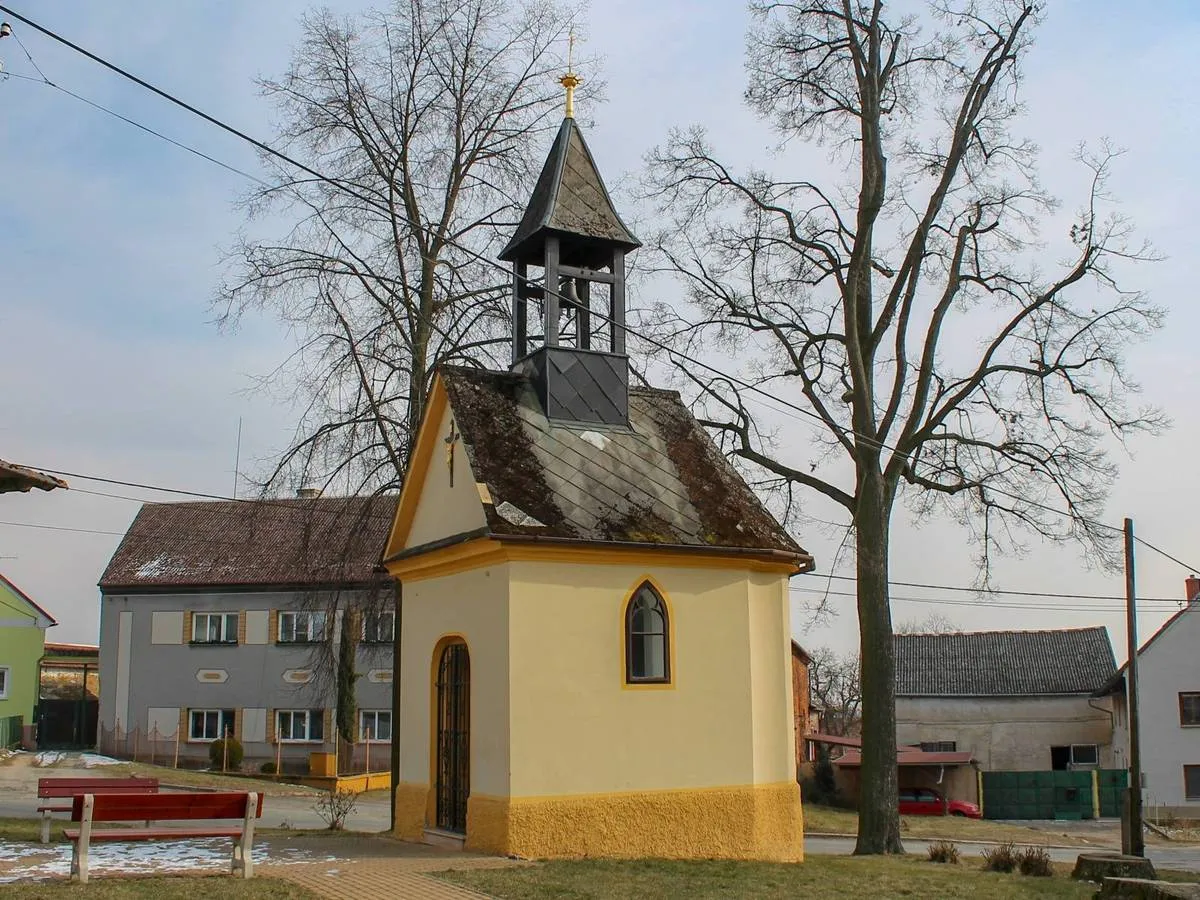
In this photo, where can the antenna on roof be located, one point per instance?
(237, 458)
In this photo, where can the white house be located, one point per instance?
(1169, 712)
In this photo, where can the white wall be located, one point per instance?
(1169, 665)
(1007, 733)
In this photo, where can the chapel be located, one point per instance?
(595, 645)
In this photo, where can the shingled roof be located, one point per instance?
(1003, 663)
(329, 541)
(22, 478)
(569, 197)
(660, 481)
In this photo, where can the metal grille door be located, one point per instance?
(453, 738)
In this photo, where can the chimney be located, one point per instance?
(308, 493)
(1193, 589)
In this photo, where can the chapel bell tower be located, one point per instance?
(575, 354)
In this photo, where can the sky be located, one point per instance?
(111, 244)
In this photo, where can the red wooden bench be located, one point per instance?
(90, 808)
(64, 789)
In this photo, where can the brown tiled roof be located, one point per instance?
(22, 478)
(1003, 663)
(325, 541)
(660, 481)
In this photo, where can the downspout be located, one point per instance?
(1112, 721)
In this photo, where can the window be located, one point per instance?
(209, 724)
(1191, 782)
(939, 746)
(1189, 709)
(379, 628)
(4, 682)
(647, 658)
(375, 724)
(1075, 756)
(299, 724)
(301, 627)
(214, 628)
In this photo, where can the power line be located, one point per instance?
(61, 528)
(1149, 546)
(984, 591)
(266, 148)
(1049, 607)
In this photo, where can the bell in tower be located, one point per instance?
(572, 233)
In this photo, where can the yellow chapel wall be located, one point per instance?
(702, 768)
(472, 605)
(443, 510)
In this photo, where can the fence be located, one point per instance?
(175, 750)
(1054, 794)
(10, 731)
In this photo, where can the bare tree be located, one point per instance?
(934, 623)
(903, 306)
(835, 684)
(427, 117)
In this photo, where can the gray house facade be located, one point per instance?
(1016, 700)
(228, 617)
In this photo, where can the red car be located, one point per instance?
(928, 802)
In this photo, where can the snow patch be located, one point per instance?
(595, 438)
(91, 760)
(48, 758)
(511, 513)
(40, 862)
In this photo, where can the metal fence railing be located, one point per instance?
(10, 731)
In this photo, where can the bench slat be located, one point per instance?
(150, 807)
(69, 787)
(152, 834)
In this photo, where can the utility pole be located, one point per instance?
(1133, 841)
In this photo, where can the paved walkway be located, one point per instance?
(405, 878)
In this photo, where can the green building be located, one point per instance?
(23, 627)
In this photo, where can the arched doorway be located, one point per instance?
(453, 737)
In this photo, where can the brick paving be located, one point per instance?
(381, 869)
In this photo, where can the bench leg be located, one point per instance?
(79, 861)
(45, 827)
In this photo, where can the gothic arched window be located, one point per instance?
(647, 638)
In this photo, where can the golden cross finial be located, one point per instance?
(570, 81)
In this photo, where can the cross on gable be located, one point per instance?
(451, 439)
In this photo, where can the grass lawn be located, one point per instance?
(209, 887)
(821, 876)
(828, 820)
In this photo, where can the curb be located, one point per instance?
(1081, 848)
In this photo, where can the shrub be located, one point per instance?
(226, 754)
(268, 768)
(334, 806)
(1000, 859)
(1035, 861)
(820, 788)
(943, 852)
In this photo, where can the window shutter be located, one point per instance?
(183, 724)
(273, 636)
(241, 627)
(327, 722)
(237, 723)
(270, 726)
(187, 626)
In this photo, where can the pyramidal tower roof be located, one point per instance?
(569, 198)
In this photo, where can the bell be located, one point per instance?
(569, 293)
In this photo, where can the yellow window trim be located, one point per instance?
(672, 671)
(480, 552)
(439, 647)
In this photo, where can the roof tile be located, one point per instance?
(1003, 663)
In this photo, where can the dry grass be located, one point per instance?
(216, 887)
(827, 820)
(821, 876)
(194, 778)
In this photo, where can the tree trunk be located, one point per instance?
(878, 811)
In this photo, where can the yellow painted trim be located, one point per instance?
(418, 467)
(1095, 794)
(672, 671)
(462, 557)
(979, 788)
(479, 552)
(753, 822)
(439, 647)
